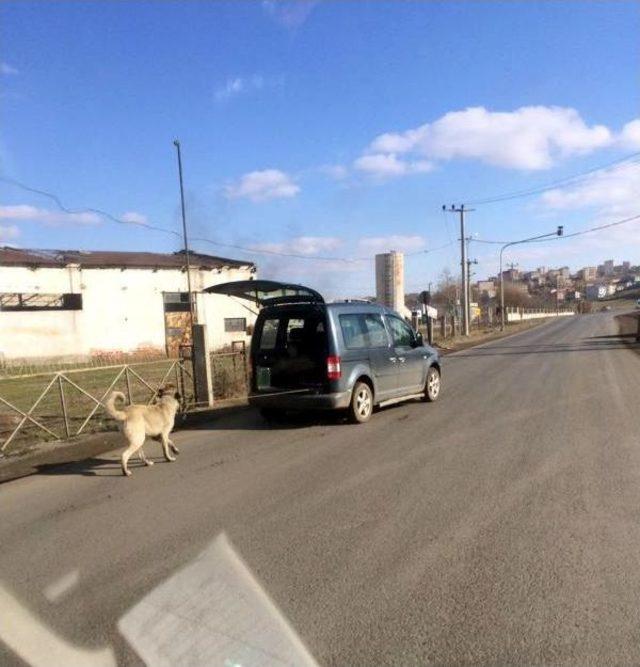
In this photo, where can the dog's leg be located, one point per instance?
(134, 446)
(174, 449)
(143, 457)
(165, 447)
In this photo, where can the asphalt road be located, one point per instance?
(498, 526)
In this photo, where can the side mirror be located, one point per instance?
(419, 340)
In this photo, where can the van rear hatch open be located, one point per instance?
(267, 292)
(289, 346)
(289, 349)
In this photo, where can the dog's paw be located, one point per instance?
(148, 463)
(127, 473)
(174, 449)
(171, 459)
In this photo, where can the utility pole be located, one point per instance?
(463, 265)
(192, 305)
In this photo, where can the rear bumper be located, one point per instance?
(308, 401)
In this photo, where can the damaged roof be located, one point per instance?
(104, 259)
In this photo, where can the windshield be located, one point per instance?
(319, 333)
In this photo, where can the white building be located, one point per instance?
(390, 281)
(76, 304)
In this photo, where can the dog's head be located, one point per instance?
(169, 390)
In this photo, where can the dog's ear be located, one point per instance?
(161, 392)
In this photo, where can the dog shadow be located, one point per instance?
(92, 467)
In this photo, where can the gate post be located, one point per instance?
(202, 383)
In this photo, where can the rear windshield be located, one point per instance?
(304, 330)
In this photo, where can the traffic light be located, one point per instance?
(560, 230)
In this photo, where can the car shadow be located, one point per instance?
(251, 420)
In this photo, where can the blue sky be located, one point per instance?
(322, 128)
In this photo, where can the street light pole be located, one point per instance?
(558, 232)
(192, 309)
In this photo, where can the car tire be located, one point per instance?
(361, 406)
(432, 385)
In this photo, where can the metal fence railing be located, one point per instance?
(62, 404)
(230, 373)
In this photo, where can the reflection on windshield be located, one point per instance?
(212, 612)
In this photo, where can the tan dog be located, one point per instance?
(140, 421)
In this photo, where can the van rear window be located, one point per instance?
(269, 334)
(299, 333)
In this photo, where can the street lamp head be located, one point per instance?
(176, 142)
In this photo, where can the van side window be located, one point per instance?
(353, 332)
(269, 334)
(400, 331)
(376, 331)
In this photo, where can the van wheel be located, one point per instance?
(432, 385)
(361, 403)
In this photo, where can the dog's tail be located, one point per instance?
(110, 405)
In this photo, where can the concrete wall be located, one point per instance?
(122, 310)
(520, 314)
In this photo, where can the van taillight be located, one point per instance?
(334, 372)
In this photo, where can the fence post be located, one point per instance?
(638, 333)
(63, 404)
(126, 375)
(202, 380)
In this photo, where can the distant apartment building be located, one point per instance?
(588, 273)
(607, 268)
(511, 275)
(486, 288)
(390, 281)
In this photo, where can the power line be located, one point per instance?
(138, 223)
(568, 236)
(554, 184)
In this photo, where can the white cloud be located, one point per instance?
(263, 185)
(239, 85)
(381, 165)
(611, 192)
(377, 244)
(629, 137)
(46, 216)
(6, 69)
(528, 138)
(8, 232)
(134, 217)
(303, 245)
